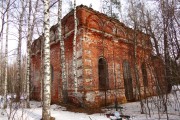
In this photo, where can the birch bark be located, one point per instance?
(74, 49)
(42, 68)
(47, 74)
(6, 58)
(62, 56)
(28, 56)
(29, 39)
(1, 55)
(19, 51)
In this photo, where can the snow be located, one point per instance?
(60, 113)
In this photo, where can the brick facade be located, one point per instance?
(105, 60)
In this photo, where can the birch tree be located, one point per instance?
(6, 57)
(74, 48)
(1, 40)
(135, 18)
(47, 74)
(3, 12)
(165, 17)
(62, 55)
(29, 39)
(157, 24)
(111, 8)
(21, 17)
(42, 69)
(171, 44)
(28, 55)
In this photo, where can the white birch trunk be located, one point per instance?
(42, 69)
(74, 49)
(62, 56)
(138, 86)
(1, 55)
(6, 59)
(1, 63)
(28, 57)
(19, 52)
(29, 39)
(47, 73)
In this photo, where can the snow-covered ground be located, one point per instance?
(132, 109)
(58, 112)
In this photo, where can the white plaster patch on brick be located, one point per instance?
(110, 93)
(79, 44)
(88, 62)
(77, 95)
(118, 92)
(80, 81)
(88, 40)
(79, 72)
(90, 96)
(79, 63)
(96, 92)
(79, 53)
(118, 66)
(88, 80)
(88, 71)
(87, 52)
(101, 95)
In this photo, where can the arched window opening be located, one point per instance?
(103, 74)
(52, 73)
(144, 74)
(127, 81)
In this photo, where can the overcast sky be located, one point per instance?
(13, 40)
(95, 3)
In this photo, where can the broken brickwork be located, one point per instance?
(105, 61)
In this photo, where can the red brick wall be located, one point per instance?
(112, 40)
(98, 36)
(36, 76)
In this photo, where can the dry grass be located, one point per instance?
(74, 108)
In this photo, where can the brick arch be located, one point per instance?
(103, 74)
(130, 35)
(121, 32)
(93, 21)
(109, 27)
(69, 24)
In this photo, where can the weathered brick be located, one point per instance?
(96, 39)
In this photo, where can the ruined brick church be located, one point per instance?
(105, 61)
